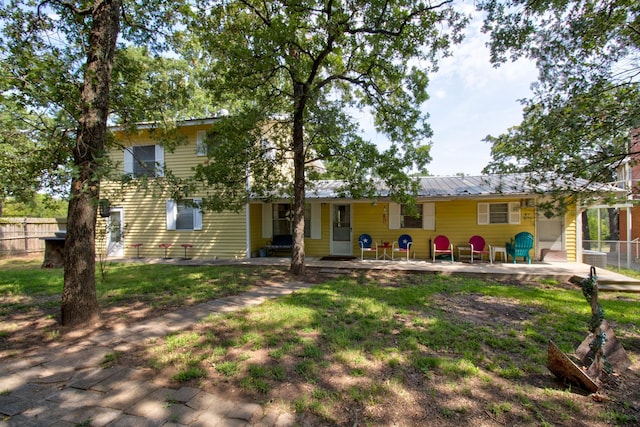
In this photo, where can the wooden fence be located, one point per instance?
(21, 236)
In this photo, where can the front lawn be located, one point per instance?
(377, 349)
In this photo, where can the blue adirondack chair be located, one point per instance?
(521, 246)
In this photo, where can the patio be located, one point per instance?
(561, 271)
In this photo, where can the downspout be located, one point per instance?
(629, 237)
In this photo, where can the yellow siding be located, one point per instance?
(180, 161)
(455, 219)
(313, 247)
(571, 234)
(255, 219)
(222, 235)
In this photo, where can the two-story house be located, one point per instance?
(152, 224)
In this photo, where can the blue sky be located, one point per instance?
(471, 99)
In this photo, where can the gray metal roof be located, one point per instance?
(461, 186)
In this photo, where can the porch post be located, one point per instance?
(247, 228)
(629, 237)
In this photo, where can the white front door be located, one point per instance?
(341, 239)
(115, 233)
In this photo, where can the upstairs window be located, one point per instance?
(144, 161)
(202, 149)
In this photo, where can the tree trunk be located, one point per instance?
(79, 301)
(297, 256)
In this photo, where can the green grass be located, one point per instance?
(357, 344)
(362, 328)
(24, 285)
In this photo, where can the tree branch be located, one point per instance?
(76, 11)
(403, 23)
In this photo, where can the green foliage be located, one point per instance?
(592, 216)
(189, 373)
(228, 368)
(155, 285)
(293, 82)
(40, 108)
(158, 89)
(578, 123)
(40, 206)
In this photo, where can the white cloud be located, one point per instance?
(480, 100)
(469, 99)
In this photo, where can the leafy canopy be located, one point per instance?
(295, 73)
(578, 122)
(42, 56)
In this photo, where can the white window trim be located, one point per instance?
(316, 221)
(201, 146)
(172, 215)
(428, 216)
(513, 216)
(159, 160)
(267, 220)
(394, 216)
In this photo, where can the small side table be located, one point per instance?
(498, 250)
(186, 246)
(464, 252)
(384, 246)
(165, 246)
(137, 246)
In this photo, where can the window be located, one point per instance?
(268, 149)
(283, 219)
(202, 149)
(185, 215)
(499, 213)
(410, 219)
(401, 217)
(144, 160)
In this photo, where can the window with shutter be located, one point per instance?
(144, 161)
(186, 215)
(201, 146)
(498, 213)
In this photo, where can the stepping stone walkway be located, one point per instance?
(69, 387)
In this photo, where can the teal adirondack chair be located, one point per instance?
(521, 246)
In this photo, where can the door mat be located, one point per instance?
(337, 258)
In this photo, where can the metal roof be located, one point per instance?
(461, 186)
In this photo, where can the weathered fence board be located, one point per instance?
(21, 236)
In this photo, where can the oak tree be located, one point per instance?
(296, 72)
(586, 101)
(57, 61)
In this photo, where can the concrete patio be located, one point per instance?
(561, 271)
